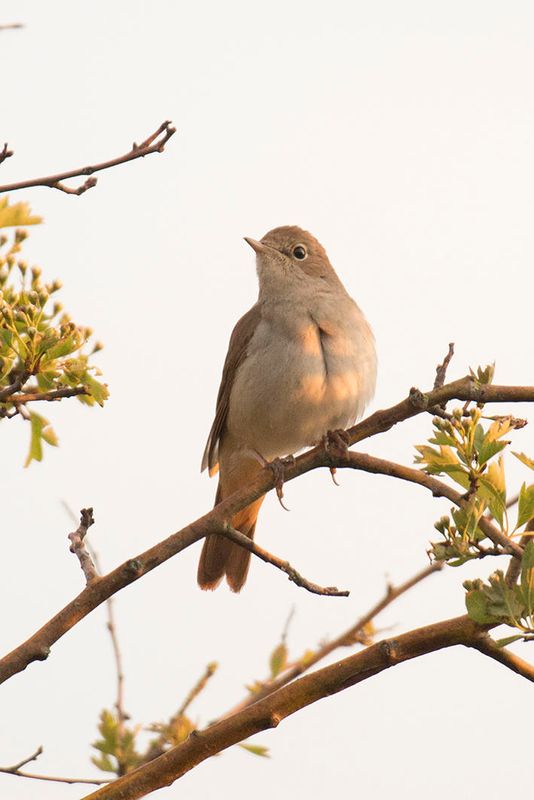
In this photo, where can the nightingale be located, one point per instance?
(300, 363)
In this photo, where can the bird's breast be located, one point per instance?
(310, 373)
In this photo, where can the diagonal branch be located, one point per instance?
(155, 143)
(37, 647)
(269, 712)
(381, 466)
(244, 541)
(344, 639)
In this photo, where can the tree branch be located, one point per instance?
(244, 541)
(488, 647)
(15, 770)
(155, 143)
(270, 711)
(381, 466)
(37, 647)
(78, 545)
(55, 394)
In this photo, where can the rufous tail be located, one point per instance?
(222, 557)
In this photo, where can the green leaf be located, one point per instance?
(525, 508)
(278, 660)
(529, 462)
(488, 450)
(104, 763)
(256, 749)
(17, 214)
(508, 640)
(477, 606)
(496, 500)
(63, 347)
(35, 452)
(527, 577)
(99, 391)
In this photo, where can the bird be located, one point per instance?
(301, 363)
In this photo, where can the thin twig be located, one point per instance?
(55, 394)
(11, 26)
(78, 545)
(15, 770)
(158, 746)
(122, 716)
(155, 143)
(441, 369)
(199, 686)
(242, 540)
(5, 152)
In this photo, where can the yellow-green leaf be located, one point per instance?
(256, 749)
(278, 660)
(17, 214)
(529, 462)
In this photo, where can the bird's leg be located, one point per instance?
(336, 443)
(278, 467)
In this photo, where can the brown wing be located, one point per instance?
(237, 350)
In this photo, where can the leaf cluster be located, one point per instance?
(44, 355)
(497, 602)
(468, 447)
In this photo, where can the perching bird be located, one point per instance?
(300, 363)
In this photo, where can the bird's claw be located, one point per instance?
(278, 467)
(336, 443)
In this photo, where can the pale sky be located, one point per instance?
(401, 135)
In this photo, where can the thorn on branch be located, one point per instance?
(78, 545)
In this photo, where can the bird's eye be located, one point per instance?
(300, 252)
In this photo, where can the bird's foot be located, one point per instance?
(336, 443)
(278, 467)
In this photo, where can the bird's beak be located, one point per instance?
(258, 247)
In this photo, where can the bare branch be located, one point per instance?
(243, 541)
(269, 712)
(488, 647)
(11, 26)
(155, 143)
(15, 770)
(78, 545)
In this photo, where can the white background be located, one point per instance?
(401, 135)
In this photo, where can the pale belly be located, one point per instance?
(291, 390)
